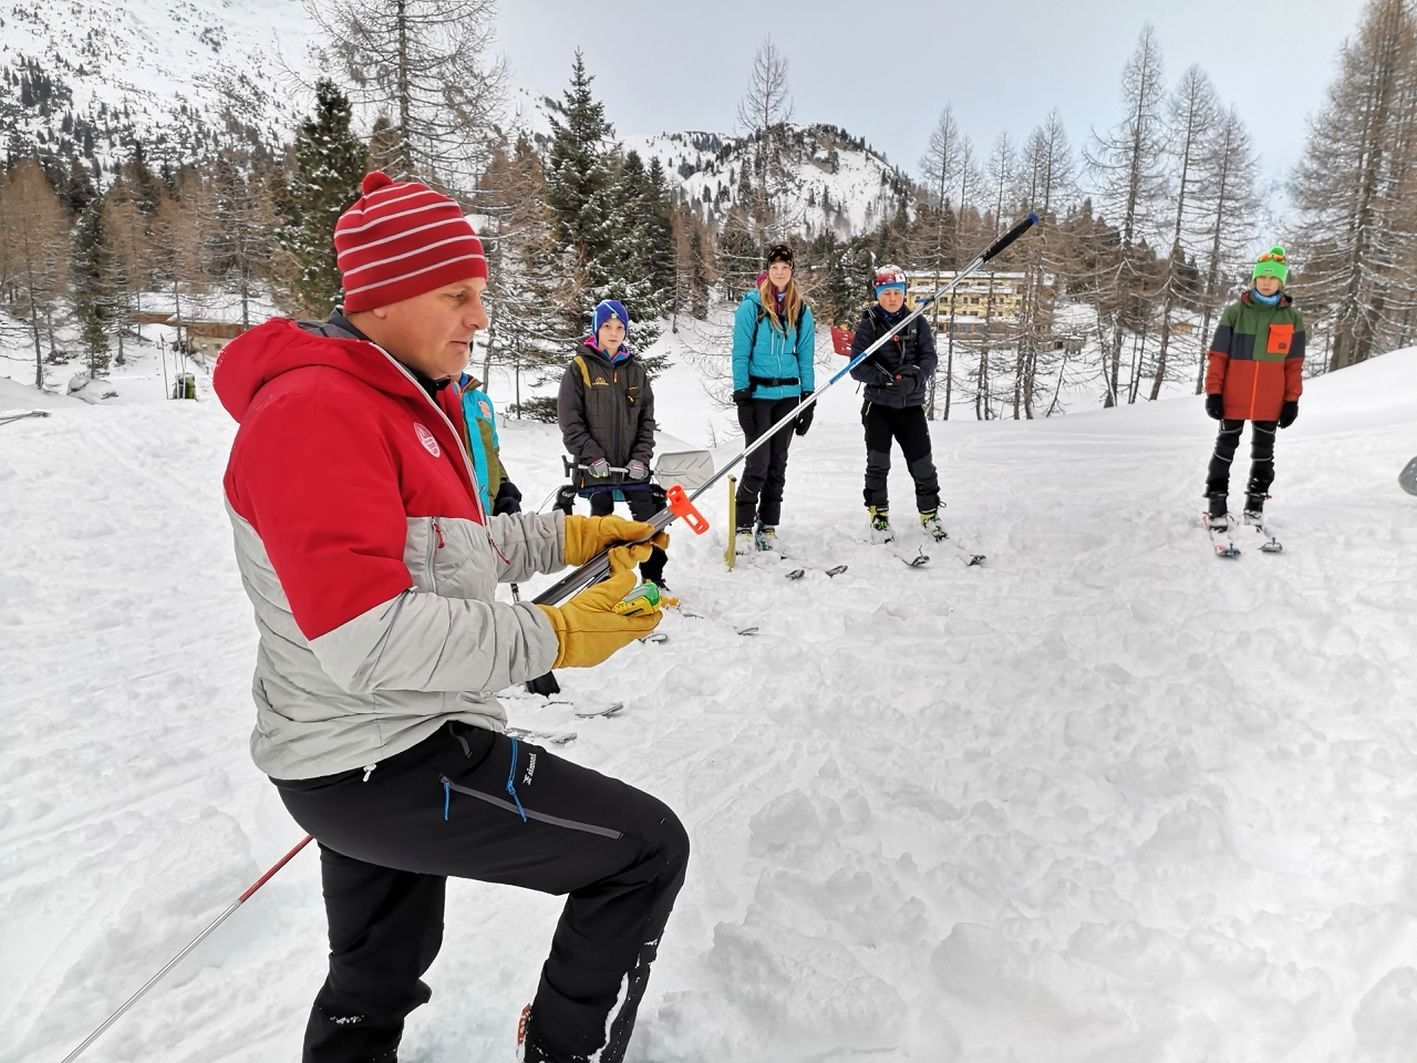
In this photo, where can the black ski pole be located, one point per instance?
(598, 567)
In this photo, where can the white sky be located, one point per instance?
(886, 76)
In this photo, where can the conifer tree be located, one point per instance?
(145, 190)
(89, 284)
(579, 167)
(329, 164)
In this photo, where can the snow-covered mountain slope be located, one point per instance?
(151, 68)
(837, 182)
(1106, 799)
(83, 78)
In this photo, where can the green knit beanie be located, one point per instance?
(1273, 263)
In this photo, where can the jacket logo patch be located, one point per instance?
(486, 408)
(426, 438)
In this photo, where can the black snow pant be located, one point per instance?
(1217, 480)
(472, 803)
(909, 428)
(644, 500)
(759, 495)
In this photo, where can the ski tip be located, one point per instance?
(1032, 218)
(612, 709)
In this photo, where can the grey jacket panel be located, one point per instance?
(525, 543)
(385, 680)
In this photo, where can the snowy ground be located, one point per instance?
(1106, 799)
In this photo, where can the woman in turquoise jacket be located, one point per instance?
(498, 493)
(773, 341)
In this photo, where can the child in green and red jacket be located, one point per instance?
(1256, 374)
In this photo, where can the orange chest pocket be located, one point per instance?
(1281, 338)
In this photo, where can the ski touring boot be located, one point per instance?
(881, 524)
(1254, 508)
(743, 543)
(765, 538)
(1218, 514)
(930, 524)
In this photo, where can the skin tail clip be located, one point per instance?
(684, 509)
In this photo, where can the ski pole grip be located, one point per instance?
(1009, 237)
(684, 510)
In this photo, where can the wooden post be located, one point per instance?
(732, 551)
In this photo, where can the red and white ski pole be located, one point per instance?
(251, 889)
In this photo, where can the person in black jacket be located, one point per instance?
(606, 411)
(895, 378)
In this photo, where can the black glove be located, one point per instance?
(908, 377)
(804, 419)
(508, 500)
(1215, 407)
(545, 685)
(742, 395)
(1288, 413)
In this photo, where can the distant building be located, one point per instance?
(207, 321)
(973, 296)
(984, 303)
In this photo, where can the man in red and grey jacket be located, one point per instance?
(372, 567)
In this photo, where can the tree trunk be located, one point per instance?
(1205, 347)
(1114, 361)
(405, 92)
(38, 350)
(1163, 343)
(950, 359)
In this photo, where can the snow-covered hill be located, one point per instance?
(1107, 799)
(83, 78)
(89, 76)
(838, 183)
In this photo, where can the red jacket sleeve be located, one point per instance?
(321, 490)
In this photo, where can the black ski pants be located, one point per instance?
(1217, 480)
(759, 495)
(472, 803)
(909, 428)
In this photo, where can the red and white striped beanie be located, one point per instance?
(400, 239)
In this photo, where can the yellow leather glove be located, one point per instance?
(588, 536)
(587, 627)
